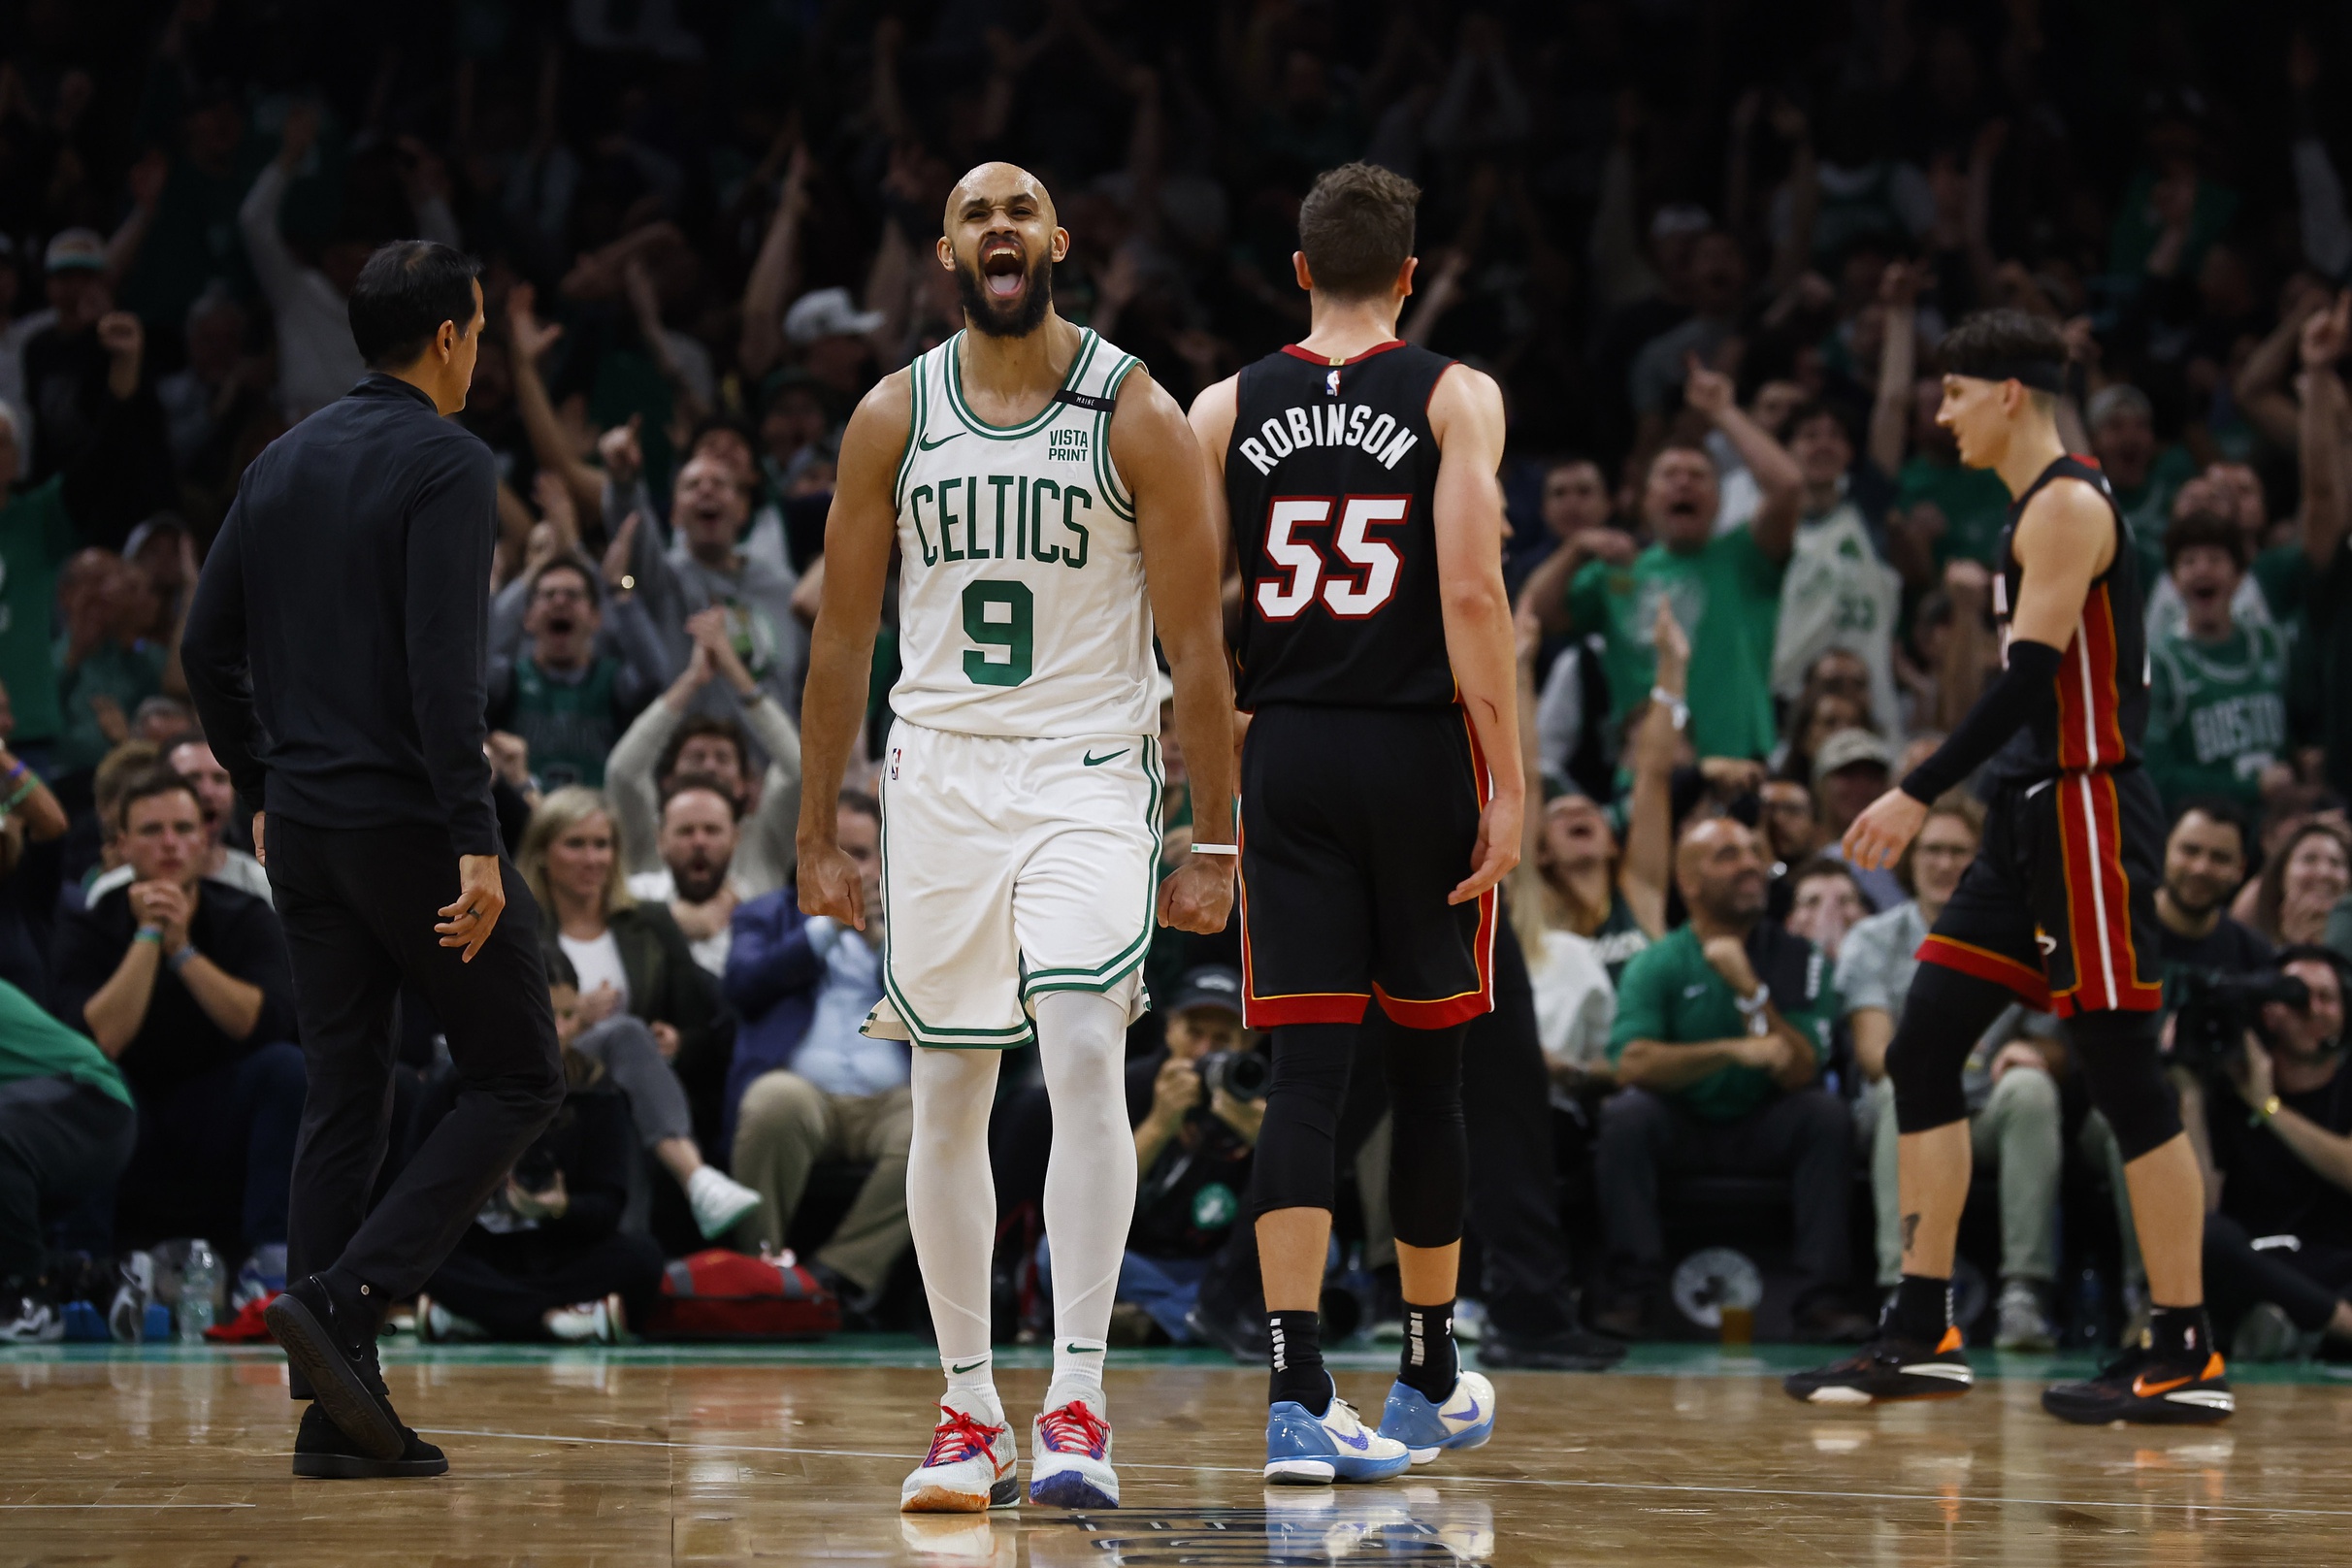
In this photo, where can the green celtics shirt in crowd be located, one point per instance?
(571, 725)
(2217, 714)
(36, 536)
(1726, 594)
(1974, 504)
(35, 1045)
(126, 676)
(1672, 995)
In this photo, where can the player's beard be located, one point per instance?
(996, 318)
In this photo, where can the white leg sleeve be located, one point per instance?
(1089, 1179)
(951, 1196)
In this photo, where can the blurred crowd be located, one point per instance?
(1708, 247)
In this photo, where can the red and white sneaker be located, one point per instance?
(1071, 1458)
(968, 1470)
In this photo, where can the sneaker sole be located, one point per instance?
(2143, 1413)
(1838, 1394)
(1477, 1437)
(1005, 1493)
(348, 1402)
(353, 1467)
(1073, 1488)
(1301, 1472)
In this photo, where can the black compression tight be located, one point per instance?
(1297, 1147)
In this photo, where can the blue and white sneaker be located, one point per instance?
(1071, 1458)
(1306, 1449)
(1466, 1420)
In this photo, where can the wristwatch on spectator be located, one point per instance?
(177, 962)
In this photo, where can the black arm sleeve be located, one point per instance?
(2000, 711)
(213, 658)
(451, 532)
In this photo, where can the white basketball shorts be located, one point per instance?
(1011, 867)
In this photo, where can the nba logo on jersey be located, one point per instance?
(1331, 382)
(894, 762)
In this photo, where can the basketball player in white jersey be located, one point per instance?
(1049, 508)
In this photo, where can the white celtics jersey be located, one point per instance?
(1021, 595)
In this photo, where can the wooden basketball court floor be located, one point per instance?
(794, 1454)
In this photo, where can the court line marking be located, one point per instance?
(1466, 1481)
(128, 1505)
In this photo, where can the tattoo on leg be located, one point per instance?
(1911, 1230)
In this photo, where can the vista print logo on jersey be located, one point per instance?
(1331, 424)
(1067, 444)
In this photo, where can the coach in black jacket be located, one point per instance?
(336, 650)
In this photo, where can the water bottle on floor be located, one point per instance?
(199, 1280)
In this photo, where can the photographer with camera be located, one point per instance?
(2271, 1122)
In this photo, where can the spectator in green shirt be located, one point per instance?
(1722, 1028)
(66, 1130)
(103, 668)
(2217, 707)
(1724, 587)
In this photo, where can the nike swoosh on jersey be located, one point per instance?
(925, 445)
(1090, 761)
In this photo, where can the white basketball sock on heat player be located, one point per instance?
(951, 1206)
(1089, 1179)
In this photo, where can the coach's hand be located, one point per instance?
(481, 898)
(261, 848)
(1198, 895)
(1878, 835)
(1497, 849)
(830, 884)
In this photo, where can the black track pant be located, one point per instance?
(359, 906)
(59, 1142)
(508, 1290)
(2308, 1280)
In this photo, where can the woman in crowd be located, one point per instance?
(1581, 905)
(648, 1012)
(2301, 884)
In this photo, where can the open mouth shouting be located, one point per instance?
(1003, 270)
(1006, 292)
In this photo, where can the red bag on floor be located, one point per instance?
(719, 1295)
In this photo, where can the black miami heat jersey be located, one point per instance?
(1331, 479)
(2099, 707)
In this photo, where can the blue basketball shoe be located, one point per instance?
(1306, 1449)
(1466, 1420)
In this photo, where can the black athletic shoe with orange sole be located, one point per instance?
(1888, 1368)
(2144, 1387)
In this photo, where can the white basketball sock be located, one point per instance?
(1089, 1179)
(951, 1206)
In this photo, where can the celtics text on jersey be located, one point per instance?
(1021, 604)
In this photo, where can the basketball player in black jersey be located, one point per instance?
(2058, 909)
(1381, 794)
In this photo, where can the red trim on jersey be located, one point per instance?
(2031, 985)
(1305, 1007)
(1324, 360)
(2090, 706)
(2098, 902)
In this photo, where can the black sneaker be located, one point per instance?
(1887, 1368)
(334, 1347)
(324, 1452)
(2142, 1386)
(1564, 1350)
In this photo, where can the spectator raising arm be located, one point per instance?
(1776, 475)
(774, 274)
(1890, 414)
(2319, 431)
(528, 340)
(1649, 858)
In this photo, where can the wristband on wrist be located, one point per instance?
(177, 962)
(1216, 849)
(1678, 711)
(2269, 1108)
(148, 933)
